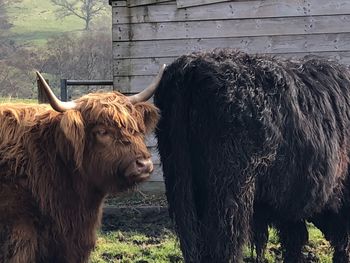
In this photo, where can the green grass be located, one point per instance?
(16, 100)
(35, 21)
(137, 247)
(317, 249)
(318, 245)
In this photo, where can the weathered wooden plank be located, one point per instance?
(233, 28)
(132, 3)
(264, 44)
(151, 140)
(132, 83)
(127, 67)
(190, 3)
(163, 51)
(117, 3)
(152, 187)
(155, 157)
(236, 10)
(122, 11)
(157, 174)
(138, 65)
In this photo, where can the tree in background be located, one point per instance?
(69, 56)
(86, 10)
(86, 57)
(4, 23)
(15, 62)
(5, 44)
(4, 19)
(76, 55)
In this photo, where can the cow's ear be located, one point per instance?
(72, 125)
(149, 114)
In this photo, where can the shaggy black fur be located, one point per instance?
(243, 135)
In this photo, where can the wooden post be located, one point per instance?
(41, 95)
(121, 32)
(64, 91)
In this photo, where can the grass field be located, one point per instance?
(149, 238)
(15, 100)
(117, 246)
(156, 243)
(35, 21)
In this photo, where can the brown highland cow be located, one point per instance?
(57, 166)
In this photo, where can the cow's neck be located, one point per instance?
(75, 208)
(64, 197)
(81, 199)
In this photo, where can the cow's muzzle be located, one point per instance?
(142, 168)
(144, 165)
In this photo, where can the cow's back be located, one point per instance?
(232, 124)
(16, 119)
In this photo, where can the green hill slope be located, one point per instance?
(35, 21)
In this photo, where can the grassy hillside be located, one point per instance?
(15, 100)
(35, 21)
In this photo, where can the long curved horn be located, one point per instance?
(148, 92)
(55, 103)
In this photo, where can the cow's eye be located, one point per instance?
(125, 142)
(101, 132)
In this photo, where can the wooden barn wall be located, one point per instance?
(190, 3)
(153, 32)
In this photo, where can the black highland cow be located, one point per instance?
(251, 140)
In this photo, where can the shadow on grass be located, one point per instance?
(149, 223)
(156, 225)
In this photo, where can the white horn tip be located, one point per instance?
(162, 68)
(161, 72)
(39, 75)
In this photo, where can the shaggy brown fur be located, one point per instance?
(57, 168)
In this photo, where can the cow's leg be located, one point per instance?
(4, 237)
(335, 228)
(225, 227)
(260, 232)
(260, 240)
(224, 239)
(293, 236)
(21, 243)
